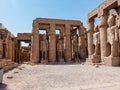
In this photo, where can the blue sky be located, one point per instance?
(17, 15)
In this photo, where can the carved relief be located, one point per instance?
(60, 50)
(112, 36)
(75, 48)
(44, 48)
(96, 41)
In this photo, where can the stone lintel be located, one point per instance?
(57, 21)
(106, 5)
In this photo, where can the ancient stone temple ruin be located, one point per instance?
(7, 48)
(63, 41)
(54, 47)
(104, 39)
(68, 41)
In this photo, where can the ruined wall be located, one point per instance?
(7, 45)
(7, 49)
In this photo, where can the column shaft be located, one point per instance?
(68, 51)
(10, 50)
(35, 45)
(82, 44)
(103, 35)
(1, 49)
(90, 31)
(52, 44)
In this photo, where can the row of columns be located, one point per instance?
(103, 16)
(7, 47)
(52, 44)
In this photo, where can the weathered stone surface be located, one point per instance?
(44, 49)
(112, 61)
(72, 43)
(57, 49)
(60, 48)
(108, 13)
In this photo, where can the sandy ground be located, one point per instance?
(62, 77)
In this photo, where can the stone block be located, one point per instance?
(44, 61)
(94, 59)
(112, 61)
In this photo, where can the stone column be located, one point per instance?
(7, 45)
(35, 44)
(10, 48)
(1, 48)
(62, 31)
(16, 50)
(82, 43)
(68, 51)
(103, 33)
(52, 44)
(13, 51)
(118, 23)
(90, 31)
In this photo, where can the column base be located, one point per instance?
(94, 59)
(77, 60)
(61, 61)
(112, 61)
(52, 63)
(69, 62)
(33, 62)
(44, 61)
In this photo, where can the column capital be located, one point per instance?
(35, 32)
(91, 21)
(103, 21)
(90, 24)
(52, 29)
(67, 26)
(67, 29)
(103, 13)
(52, 25)
(35, 28)
(35, 25)
(103, 16)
